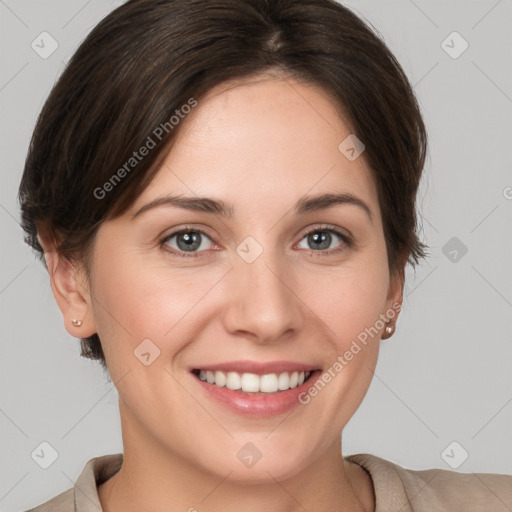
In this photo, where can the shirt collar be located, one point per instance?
(95, 472)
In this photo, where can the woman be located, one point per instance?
(224, 195)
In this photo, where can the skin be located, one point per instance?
(259, 145)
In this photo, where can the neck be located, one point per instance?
(152, 477)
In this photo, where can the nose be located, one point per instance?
(261, 303)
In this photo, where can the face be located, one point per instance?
(273, 263)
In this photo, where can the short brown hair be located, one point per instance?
(149, 57)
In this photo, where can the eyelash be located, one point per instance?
(347, 241)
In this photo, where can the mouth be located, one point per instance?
(273, 382)
(255, 389)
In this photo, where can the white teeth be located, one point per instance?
(283, 382)
(250, 382)
(268, 383)
(233, 381)
(220, 379)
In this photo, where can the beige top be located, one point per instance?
(396, 489)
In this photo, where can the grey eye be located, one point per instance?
(187, 241)
(320, 239)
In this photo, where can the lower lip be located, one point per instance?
(258, 404)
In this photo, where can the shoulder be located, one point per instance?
(86, 499)
(434, 490)
(64, 502)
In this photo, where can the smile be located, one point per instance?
(252, 388)
(253, 383)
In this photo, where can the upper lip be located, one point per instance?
(258, 368)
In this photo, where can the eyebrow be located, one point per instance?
(304, 205)
(199, 204)
(320, 202)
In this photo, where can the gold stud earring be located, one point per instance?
(76, 323)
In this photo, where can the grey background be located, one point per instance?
(443, 377)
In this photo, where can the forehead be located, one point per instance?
(262, 140)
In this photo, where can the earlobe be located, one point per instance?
(70, 289)
(394, 302)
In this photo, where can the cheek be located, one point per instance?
(348, 300)
(349, 303)
(134, 300)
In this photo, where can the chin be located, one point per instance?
(248, 464)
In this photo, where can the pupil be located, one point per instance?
(323, 238)
(188, 241)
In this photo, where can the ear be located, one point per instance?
(70, 288)
(394, 299)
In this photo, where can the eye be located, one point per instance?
(191, 241)
(321, 239)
